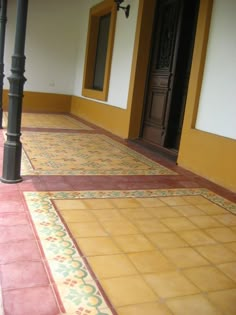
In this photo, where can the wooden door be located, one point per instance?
(169, 72)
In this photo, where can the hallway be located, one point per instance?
(102, 226)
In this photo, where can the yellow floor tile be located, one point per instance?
(185, 257)
(224, 300)
(67, 204)
(192, 305)
(151, 262)
(196, 237)
(174, 201)
(99, 204)
(94, 246)
(223, 235)
(133, 243)
(178, 224)
(229, 269)
(151, 255)
(209, 278)
(233, 228)
(226, 219)
(126, 203)
(111, 266)
(197, 200)
(172, 284)
(136, 213)
(77, 216)
(150, 226)
(212, 209)
(144, 309)
(151, 202)
(107, 214)
(119, 227)
(189, 210)
(204, 222)
(86, 229)
(166, 240)
(231, 246)
(163, 212)
(128, 290)
(217, 254)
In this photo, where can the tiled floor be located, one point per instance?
(87, 154)
(130, 235)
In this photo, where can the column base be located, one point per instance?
(1, 117)
(11, 181)
(11, 162)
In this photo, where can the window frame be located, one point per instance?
(99, 10)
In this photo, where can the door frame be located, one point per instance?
(140, 63)
(163, 146)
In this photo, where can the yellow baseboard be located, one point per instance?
(210, 156)
(42, 102)
(113, 119)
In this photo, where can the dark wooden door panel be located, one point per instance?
(155, 117)
(161, 71)
(170, 63)
(157, 114)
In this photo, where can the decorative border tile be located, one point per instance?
(79, 291)
(152, 168)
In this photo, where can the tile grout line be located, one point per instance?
(1, 303)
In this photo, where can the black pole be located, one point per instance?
(13, 146)
(3, 20)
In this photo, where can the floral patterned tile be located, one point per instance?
(48, 153)
(70, 271)
(150, 193)
(81, 296)
(79, 291)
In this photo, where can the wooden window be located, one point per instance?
(99, 50)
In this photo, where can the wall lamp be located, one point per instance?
(125, 9)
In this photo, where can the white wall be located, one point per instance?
(122, 53)
(217, 106)
(56, 43)
(51, 45)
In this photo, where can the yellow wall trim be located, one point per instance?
(141, 54)
(103, 8)
(113, 119)
(208, 155)
(42, 102)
